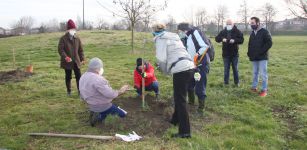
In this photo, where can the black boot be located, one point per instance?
(94, 117)
(201, 106)
(177, 135)
(68, 87)
(191, 96)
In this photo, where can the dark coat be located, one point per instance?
(230, 49)
(259, 45)
(71, 47)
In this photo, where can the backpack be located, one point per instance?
(211, 50)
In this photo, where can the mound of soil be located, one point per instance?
(151, 121)
(14, 75)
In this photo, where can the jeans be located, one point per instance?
(233, 61)
(68, 74)
(260, 67)
(113, 110)
(154, 86)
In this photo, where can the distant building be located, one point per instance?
(294, 24)
(35, 30)
(2, 31)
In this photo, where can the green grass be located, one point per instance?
(234, 119)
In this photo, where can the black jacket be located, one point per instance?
(230, 50)
(259, 45)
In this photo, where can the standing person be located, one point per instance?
(71, 53)
(231, 37)
(172, 58)
(151, 82)
(96, 91)
(197, 45)
(260, 41)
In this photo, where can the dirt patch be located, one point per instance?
(14, 76)
(288, 116)
(152, 121)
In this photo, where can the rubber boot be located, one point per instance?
(68, 87)
(201, 106)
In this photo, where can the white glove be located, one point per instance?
(231, 41)
(197, 76)
(224, 40)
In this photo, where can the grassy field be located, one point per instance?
(234, 117)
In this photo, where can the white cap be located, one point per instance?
(95, 63)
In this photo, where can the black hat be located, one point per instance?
(139, 62)
(184, 27)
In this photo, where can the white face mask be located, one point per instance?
(72, 32)
(182, 34)
(229, 27)
(101, 72)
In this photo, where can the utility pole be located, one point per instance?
(83, 16)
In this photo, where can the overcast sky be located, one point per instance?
(62, 10)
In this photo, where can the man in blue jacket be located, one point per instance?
(260, 41)
(197, 45)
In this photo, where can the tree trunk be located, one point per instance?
(132, 37)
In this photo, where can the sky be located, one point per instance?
(62, 10)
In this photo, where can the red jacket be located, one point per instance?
(150, 72)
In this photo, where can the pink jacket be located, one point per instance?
(96, 91)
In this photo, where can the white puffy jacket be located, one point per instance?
(169, 49)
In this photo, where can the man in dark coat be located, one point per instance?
(71, 53)
(260, 41)
(231, 37)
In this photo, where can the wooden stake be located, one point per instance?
(143, 79)
(97, 137)
(14, 60)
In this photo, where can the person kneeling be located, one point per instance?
(151, 83)
(98, 94)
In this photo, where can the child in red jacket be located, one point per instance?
(151, 83)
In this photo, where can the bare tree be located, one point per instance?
(23, 25)
(102, 24)
(53, 25)
(121, 25)
(43, 28)
(137, 10)
(220, 16)
(268, 13)
(201, 18)
(244, 13)
(171, 24)
(298, 8)
(189, 16)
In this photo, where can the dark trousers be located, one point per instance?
(180, 116)
(68, 74)
(113, 110)
(233, 61)
(200, 86)
(154, 86)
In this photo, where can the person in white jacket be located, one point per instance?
(172, 58)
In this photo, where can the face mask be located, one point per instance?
(182, 35)
(229, 27)
(72, 32)
(254, 27)
(101, 72)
